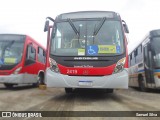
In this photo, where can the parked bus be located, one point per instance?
(144, 61)
(87, 49)
(22, 60)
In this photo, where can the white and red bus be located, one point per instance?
(87, 50)
(22, 60)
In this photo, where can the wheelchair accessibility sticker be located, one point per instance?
(102, 49)
(92, 50)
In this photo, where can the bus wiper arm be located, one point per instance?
(99, 26)
(73, 27)
(9, 44)
(75, 30)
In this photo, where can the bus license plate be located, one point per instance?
(85, 83)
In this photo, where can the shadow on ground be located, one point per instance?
(14, 88)
(149, 90)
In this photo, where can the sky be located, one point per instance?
(28, 16)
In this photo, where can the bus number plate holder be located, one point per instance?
(85, 83)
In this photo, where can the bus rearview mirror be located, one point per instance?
(46, 26)
(125, 26)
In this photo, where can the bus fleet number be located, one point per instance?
(71, 71)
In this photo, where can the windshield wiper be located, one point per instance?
(9, 44)
(75, 30)
(73, 27)
(98, 27)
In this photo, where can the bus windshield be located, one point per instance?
(156, 51)
(93, 37)
(10, 50)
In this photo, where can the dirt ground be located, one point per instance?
(28, 98)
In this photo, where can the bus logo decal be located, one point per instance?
(85, 72)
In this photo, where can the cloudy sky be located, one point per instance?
(28, 16)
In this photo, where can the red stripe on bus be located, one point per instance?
(97, 71)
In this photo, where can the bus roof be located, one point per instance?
(155, 33)
(20, 36)
(150, 34)
(36, 42)
(87, 14)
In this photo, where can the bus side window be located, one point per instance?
(133, 59)
(130, 58)
(30, 55)
(41, 55)
(139, 54)
(135, 53)
(44, 55)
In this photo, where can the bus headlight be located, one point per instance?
(120, 65)
(17, 70)
(53, 65)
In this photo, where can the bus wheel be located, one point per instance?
(40, 81)
(141, 84)
(8, 85)
(68, 90)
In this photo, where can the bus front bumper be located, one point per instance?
(118, 80)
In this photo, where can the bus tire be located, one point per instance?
(141, 84)
(8, 85)
(40, 81)
(68, 90)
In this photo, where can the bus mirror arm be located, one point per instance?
(50, 19)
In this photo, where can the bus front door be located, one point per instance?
(148, 65)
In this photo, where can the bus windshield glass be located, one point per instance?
(156, 51)
(93, 37)
(11, 48)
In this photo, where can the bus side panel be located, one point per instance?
(32, 71)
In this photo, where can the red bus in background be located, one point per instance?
(87, 49)
(22, 60)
